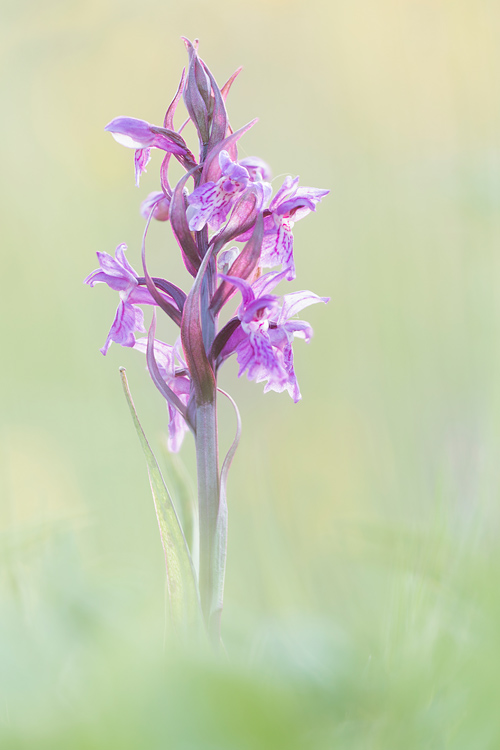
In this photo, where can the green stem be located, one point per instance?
(207, 461)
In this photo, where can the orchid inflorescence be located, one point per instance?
(231, 202)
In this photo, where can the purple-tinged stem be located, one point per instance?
(209, 284)
(193, 334)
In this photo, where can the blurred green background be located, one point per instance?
(362, 601)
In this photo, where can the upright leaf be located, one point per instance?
(183, 591)
(200, 369)
(180, 227)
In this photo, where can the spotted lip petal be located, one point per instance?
(244, 215)
(257, 357)
(290, 204)
(211, 202)
(128, 319)
(277, 245)
(142, 158)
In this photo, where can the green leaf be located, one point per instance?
(183, 494)
(182, 585)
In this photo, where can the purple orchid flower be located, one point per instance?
(141, 136)
(176, 377)
(290, 204)
(211, 202)
(116, 272)
(119, 275)
(263, 344)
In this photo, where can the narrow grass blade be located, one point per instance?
(181, 578)
(183, 494)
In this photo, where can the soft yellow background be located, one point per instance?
(362, 607)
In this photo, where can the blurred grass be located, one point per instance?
(362, 606)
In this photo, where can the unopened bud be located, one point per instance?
(161, 205)
(226, 258)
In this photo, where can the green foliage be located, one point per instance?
(182, 582)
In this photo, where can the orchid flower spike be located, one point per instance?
(228, 227)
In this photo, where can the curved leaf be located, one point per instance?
(165, 306)
(180, 227)
(211, 169)
(243, 266)
(200, 369)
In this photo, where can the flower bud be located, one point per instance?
(226, 258)
(257, 168)
(197, 94)
(161, 204)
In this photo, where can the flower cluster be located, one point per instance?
(230, 229)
